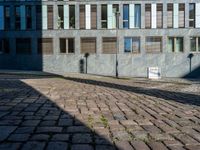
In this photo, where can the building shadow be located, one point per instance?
(193, 74)
(181, 97)
(20, 41)
(30, 120)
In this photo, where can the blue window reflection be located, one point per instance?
(125, 16)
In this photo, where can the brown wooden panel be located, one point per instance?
(50, 16)
(109, 45)
(153, 44)
(88, 45)
(159, 15)
(181, 15)
(82, 17)
(170, 15)
(148, 15)
(94, 16)
(45, 46)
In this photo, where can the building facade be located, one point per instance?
(54, 35)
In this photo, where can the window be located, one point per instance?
(60, 17)
(28, 17)
(181, 15)
(45, 46)
(159, 15)
(38, 17)
(23, 46)
(66, 45)
(195, 44)
(7, 17)
(132, 45)
(175, 44)
(71, 16)
(4, 46)
(50, 16)
(191, 15)
(170, 15)
(93, 16)
(153, 44)
(148, 16)
(88, 45)
(137, 16)
(109, 45)
(126, 16)
(104, 16)
(82, 16)
(17, 17)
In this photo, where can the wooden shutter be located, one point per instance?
(88, 45)
(153, 44)
(109, 45)
(181, 15)
(148, 15)
(50, 17)
(159, 15)
(93, 16)
(45, 46)
(23, 46)
(170, 15)
(82, 16)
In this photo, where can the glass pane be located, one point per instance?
(127, 44)
(179, 44)
(126, 16)
(192, 11)
(170, 44)
(104, 12)
(137, 16)
(193, 44)
(136, 44)
(72, 16)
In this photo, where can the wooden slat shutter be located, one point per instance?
(88, 45)
(159, 15)
(148, 15)
(93, 16)
(136, 44)
(109, 45)
(170, 15)
(45, 46)
(153, 44)
(181, 15)
(82, 16)
(50, 17)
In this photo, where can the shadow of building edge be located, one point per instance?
(41, 99)
(185, 98)
(195, 73)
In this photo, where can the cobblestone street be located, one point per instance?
(98, 113)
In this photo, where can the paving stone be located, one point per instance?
(78, 129)
(33, 146)
(65, 122)
(48, 123)
(49, 129)
(23, 130)
(123, 145)
(57, 146)
(40, 137)
(176, 147)
(139, 145)
(60, 137)
(82, 138)
(30, 123)
(9, 146)
(19, 137)
(5, 131)
(81, 147)
(105, 147)
(157, 145)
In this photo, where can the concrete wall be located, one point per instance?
(171, 64)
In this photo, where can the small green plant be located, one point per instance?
(104, 121)
(90, 121)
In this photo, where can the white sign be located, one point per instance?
(154, 73)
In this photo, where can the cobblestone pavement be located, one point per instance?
(39, 112)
